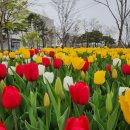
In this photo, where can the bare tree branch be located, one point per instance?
(66, 18)
(123, 10)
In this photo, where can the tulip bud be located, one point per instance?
(86, 76)
(114, 74)
(16, 64)
(10, 70)
(58, 88)
(82, 74)
(128, 62)
(2, 84)
(109, 103)
(46, 100)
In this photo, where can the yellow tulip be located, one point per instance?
(12, 55)
(128, 61)
(38, 59)
(125, 105)
(59, 55)
(78, 63)
(99, 77)
(26, 54)
(5, 52)
(114, 74)
(46, 100)
(1, 55)
(91, 59)
(17, 52)
(67, 60)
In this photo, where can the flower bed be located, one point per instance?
(65, 89)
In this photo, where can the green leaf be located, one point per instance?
(9, 80)
(29, 127)
(26, 99)
(63, 119)
(52, 97)
(99, 125)
(41, 124)
(32, 117)
(18, 79)
(97, 118)
(76, 110)
(112, 121)
(9, 123)
(95, 99)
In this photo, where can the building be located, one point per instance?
(14, 40)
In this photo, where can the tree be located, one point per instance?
(94, 24)
(85, 25)
(39, 24)
(123, 9)
(127, 32)
(11, 11)
(65, 10)
(31, 39)
(108, 40)
(109, 30)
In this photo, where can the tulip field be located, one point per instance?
(65, 89)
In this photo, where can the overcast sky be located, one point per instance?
(87, 9)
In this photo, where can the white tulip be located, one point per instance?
(21, 56)
(27, 60)
(6, 63)
(122, 89)
(67, 82)
(16, 56)
(4, 56)
(41, 69)
(116, 61)
(34, 57)
(10, 70)
(49, 76)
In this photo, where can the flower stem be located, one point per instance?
(15, 119)
(47, 118)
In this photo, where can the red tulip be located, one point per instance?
(46, 61)
(57, 63)
(2, 126)
(80, 93)
(3, 71)
(108, 68)
(86, 65)
(32, 53)
(126, 69)
(11, 97)
(31, 71)
(20, 70)
(51, 53)
(80, 123)
(36, 51)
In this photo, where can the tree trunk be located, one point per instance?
(43, 38)
(120, 44)
(8, 40)
(87, 44)
(1, 38)
(95, 44)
